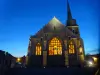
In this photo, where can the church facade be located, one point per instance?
(56, 44)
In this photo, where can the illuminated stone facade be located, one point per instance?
(56, 44)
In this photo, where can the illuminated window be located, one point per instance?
(71, 48)
(38, 49)
(80, 50)
(79, 43)
(55, 47)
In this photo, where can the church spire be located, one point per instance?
(70, 20)
(69, 15)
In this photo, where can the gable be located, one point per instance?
(54, 24)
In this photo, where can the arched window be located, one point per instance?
(80, 50)
(71, 48)
(38, 49)
(55, 47)
(78, 42)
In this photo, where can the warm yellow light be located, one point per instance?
(38, 49)
(81, 49)
(18, 59)
(71, 48)
(55, 47)
(95, 59)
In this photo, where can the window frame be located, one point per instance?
(56, 46)
(71, 47)
(38, 49)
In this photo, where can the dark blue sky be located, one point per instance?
(21, 18)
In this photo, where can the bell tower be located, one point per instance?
(71, 23)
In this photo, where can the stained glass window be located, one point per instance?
(38, 49)
(80, 50)
(71, 48)
(79, 43)
(55, 47)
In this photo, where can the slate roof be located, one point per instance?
(54, 23)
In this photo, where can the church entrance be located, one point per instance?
(55, 57)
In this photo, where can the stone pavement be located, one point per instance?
(51, 71)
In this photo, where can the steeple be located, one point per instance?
(70, 20)
(71, 23)
(69, 15)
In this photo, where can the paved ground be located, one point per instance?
(52, 71)
(97, 72)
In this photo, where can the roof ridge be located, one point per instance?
(54, 19)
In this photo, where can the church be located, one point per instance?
(56, 44)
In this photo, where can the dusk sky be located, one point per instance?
(21, 18)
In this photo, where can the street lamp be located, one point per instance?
(90, 63)
(18, 59)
